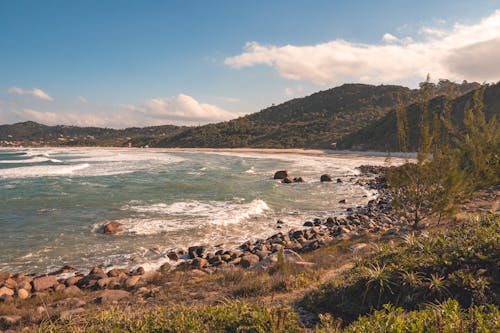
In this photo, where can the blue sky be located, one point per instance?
(124, 63)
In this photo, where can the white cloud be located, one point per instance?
(469, 52)
(35, 92)
(293, 91)
(181, 109)
(177, 110)
(389, 38)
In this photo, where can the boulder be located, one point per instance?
(199, 263)
(10, 283)
(112, 227)
(339, 180)
(173, 256)
(4, 291)
(325, 178)
(44, 282)
(196, 251)
(132, 281)
(23, 293)
(343, 201)
(298, 180)
(72, 280)
(308, 224)
(4, 276)
(249, 260)
(109, 296)
(72, 291)
(282, 174)
(287, 180)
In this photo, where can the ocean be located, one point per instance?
(54, 202)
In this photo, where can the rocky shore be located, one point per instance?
(377, 217)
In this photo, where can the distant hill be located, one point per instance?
(32, 133)
(381, 134)
(315, 121)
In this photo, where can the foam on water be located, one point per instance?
(42, 171)
(86, 163)
(176, 216)
(35, 159)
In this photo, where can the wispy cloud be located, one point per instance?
(81, 99)
(35, 92)
(464, 51)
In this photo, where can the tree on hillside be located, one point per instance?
(436, 182)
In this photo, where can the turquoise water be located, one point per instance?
(54, 201)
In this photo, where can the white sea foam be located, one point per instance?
(176, 216)
(42, 171)
(35, 159)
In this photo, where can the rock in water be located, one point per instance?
(282, 174)
(287, 180)
(112, 227)
(298, 180)
(325, 178)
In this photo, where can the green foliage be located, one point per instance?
(461, 263)
(446, 317)
(231, 317)
(450, 103)
(451, 162)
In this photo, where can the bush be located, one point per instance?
(447, 317)
(462, 263)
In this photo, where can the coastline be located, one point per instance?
(376, 217)
(299, 151)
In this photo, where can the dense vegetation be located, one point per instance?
(381, 135)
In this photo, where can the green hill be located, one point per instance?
(381, 134)
(32, 133)
(315, 121)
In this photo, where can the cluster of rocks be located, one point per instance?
(378, 216)
(287, 179)
(23, 286)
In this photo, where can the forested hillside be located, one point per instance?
(381, 134)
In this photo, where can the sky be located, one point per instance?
(121, 63)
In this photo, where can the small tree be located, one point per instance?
(435, 183)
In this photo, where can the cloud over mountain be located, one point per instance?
(464, 51)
